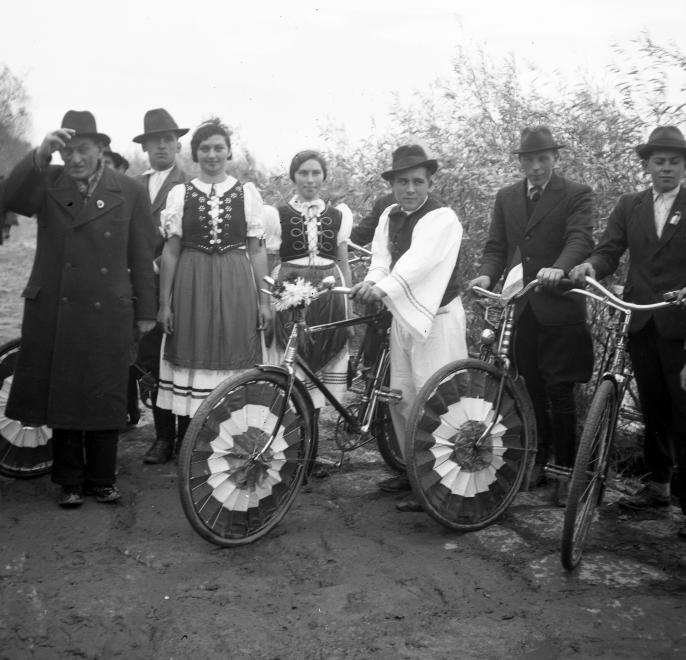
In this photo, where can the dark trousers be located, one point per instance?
(84, 457)
(657, 364)
(551, 360)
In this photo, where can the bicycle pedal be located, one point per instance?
(387, 395)
(557, 471)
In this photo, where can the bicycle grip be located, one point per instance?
(670, 296)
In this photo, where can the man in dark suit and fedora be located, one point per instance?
(160, 140)
(92, 278)
(545, 223)
(651, 225)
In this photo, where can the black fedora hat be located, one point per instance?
(536, 138)
(82, 123)
(663, 137)
(408, 156)
(157, 121)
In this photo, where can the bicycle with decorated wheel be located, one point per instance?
(590, 472)
(247, 450)
(25, 450)
(472, 429)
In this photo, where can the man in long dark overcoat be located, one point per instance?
(545, 223)
(651, 225)
(92, 277)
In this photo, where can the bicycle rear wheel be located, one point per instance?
(462, 482)
(588, 475)
(233, 491)
(25, 451)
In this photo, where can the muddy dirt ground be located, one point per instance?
(344, 576)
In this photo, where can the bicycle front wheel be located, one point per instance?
(234, 488)
(462, 480)
(588, 475)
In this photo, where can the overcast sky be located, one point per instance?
(278, 71)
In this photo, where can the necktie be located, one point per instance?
(535, 193)
(660, 212)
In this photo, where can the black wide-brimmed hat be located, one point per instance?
(663, 137)
(536, 138)
(83, 123)
(157, 121)
(407, 157)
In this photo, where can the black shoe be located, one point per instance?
(648, 497)
(397, 484)
(409, 505)
(160, 452)
(70, 497)
(103, 494)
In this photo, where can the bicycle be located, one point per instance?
(25, 450)
(246, 452)
(472, 429)
(591, 466)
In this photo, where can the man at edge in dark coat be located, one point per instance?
(651, 225)
(92, 277)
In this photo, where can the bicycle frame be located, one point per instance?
(291, 360)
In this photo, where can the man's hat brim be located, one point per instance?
(646, 150)
(431, 164)
(144, 136)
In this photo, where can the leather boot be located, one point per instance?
(564, 438)
(162, 449)
(182, 422)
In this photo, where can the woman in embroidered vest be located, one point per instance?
(313, 245)
(211, 270)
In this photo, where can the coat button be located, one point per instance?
(65, 299)
(104, 271)
(67, 266)
(527, 237)
(108, 234)
(97, 305)
(527, 259)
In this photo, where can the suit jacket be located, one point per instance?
(656, 265)
(559, 234)
(176, 176)
(92, 275)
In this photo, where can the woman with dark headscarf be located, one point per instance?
(211, 271)
(313, 245)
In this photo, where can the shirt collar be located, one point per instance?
(530, 186)
(302, 205)
(670, 195)
(417, 209)
(166, 172)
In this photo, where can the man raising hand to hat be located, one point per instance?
(541, 227)
(92, 277)
(651, 225)
(414, 272)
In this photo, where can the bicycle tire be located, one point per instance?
(25, 451)
(228, 499)
(588, 474)
(463, 486)
(386, 439)
(382, 425)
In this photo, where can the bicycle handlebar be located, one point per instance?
(612, 300)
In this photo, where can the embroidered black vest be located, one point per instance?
(201, 232)
(400, 228)
(294, 243)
